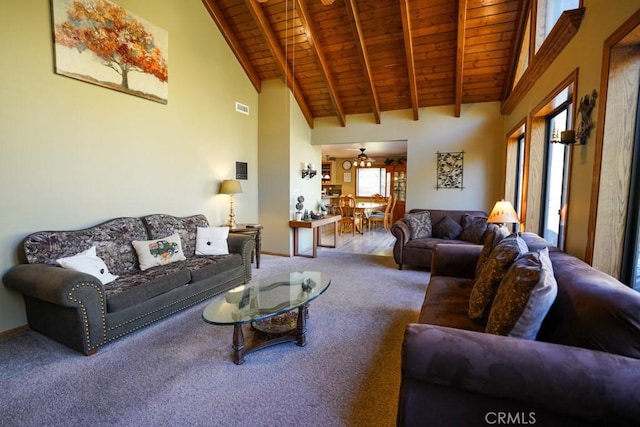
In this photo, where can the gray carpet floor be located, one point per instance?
(179, 371)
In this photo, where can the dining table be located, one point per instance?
(366, 207)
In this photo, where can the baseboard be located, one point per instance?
(276, 254)
(14, 332)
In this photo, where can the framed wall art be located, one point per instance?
(450, 170)
(99, 42)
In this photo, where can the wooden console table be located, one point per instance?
(315, 225)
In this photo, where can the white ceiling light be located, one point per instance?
(362, 160)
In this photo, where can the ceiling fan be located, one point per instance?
(362, 160)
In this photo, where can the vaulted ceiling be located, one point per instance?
(345, 57)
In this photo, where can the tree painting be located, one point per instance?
(100, 42)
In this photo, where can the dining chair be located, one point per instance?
(351, 220)
(381, 217)
(389, 214)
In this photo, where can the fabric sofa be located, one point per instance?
(418, 252)
(76, 309)
(582, 368)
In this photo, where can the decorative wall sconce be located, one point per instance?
(308, 170)
(586, 122)
(581, 134)
(566, 137)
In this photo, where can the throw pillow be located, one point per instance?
(88, 262)
(447, 228)
(158, 252)
(419, 224)
(492, 272)
(473, 228)
(212, 241)
(492, 237)
(524, 297)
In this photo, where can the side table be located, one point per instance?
(254, 230)
(315, 225)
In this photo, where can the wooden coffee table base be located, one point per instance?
(260, 339)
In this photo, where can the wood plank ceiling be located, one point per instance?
(345, 57)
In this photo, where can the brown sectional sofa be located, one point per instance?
(77, 310)
(583, 368)
(418, 252)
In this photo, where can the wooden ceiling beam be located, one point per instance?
(352, 12)
(408, 49)
(462, 29)
(228, 34)
(274, 47)
(307, 23)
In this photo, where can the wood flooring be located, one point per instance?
(378, 241)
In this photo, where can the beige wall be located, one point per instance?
(74, 154)
(585, 52)
(479, 131)
(284, 145)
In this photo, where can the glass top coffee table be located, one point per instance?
(269, 307)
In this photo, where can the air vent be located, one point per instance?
(241, 108)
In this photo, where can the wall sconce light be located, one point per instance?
(308, 170)
(582, 132)
(586, 122)
(566, 137)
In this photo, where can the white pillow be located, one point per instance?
(158, 252)
(88, 262)
(212, 241)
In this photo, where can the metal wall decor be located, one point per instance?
(450, 170)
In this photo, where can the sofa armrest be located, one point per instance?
(442, 367)
(455, 260)
(67, 305)
(49, 283)
(244, 245)
(401, 231)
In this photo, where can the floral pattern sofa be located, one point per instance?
(77, 310)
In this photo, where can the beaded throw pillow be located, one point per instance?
(419, 224)
(524, 297)
(491, 274)
(492, 237)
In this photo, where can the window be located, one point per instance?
(370, 181)
(519, 176)
(556, 179)
(542, 17)
(631, 254)
(523, 57)
(549, 12)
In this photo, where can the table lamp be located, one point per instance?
(230, 187)
(503, 213)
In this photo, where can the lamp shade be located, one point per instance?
(230, 186)
(503, 213)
